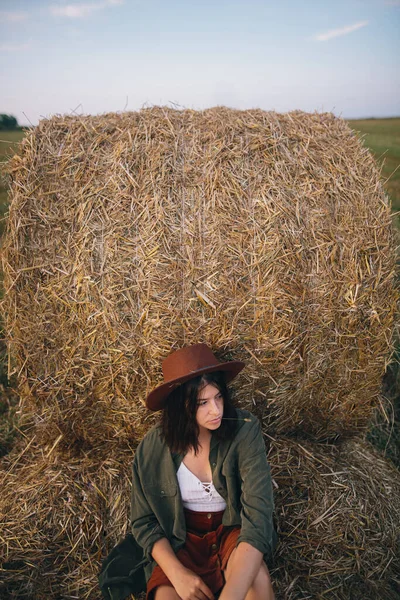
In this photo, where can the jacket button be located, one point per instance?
(209, 516)
(162, 492)
(214, 464)
(214, 547)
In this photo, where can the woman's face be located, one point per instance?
(210, 407)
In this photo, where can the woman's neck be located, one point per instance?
(204, 438)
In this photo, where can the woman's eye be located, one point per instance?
(201, 402)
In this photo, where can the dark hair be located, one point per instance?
(178, 424)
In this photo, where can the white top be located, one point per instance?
(198, 495)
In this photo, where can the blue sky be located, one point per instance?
(60, 56)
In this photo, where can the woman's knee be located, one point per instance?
(262, 585)
(165, 592)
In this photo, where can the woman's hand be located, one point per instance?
(187, 584)
(190, 586)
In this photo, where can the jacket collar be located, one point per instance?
(177, 458)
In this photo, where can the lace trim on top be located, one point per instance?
(196, 494)
(208, 488)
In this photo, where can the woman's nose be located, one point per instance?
(214, 409)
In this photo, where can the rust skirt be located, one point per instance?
(207, 549)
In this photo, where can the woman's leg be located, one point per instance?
(261, 588)
(165, 592)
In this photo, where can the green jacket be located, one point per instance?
(240, 473)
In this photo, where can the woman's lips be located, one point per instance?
(216, 420)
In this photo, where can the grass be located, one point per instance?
(382, 137)
(9, 141)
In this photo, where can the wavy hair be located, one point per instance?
(178, 422)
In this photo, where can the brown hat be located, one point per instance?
(185, 364)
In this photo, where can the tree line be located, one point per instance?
(8, 122)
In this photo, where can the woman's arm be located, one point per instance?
(144, 524)
(256, 498)
(257, 535)
(187, 584)
(243, 567)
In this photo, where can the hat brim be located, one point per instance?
(157, 398)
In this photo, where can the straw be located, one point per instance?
(338, 521)
(267, 236)
(337, 507)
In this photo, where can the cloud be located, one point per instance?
(82, 10)
(328, 35)
(392, 2)
(13, 16)
(14, 47)
(75, 11)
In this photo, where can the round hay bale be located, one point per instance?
(338, 521)
(267, 236)
(58, 520)
(338, 512)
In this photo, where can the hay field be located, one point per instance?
(9, 141)
(382, 137)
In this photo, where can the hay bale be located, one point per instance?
(267, 236)
(59, 518)
(338, 515)
(338, 521)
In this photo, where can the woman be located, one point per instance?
(202, 497)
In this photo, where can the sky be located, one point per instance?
(97, 56)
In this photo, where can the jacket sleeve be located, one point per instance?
(257, 502)
(144, 524)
